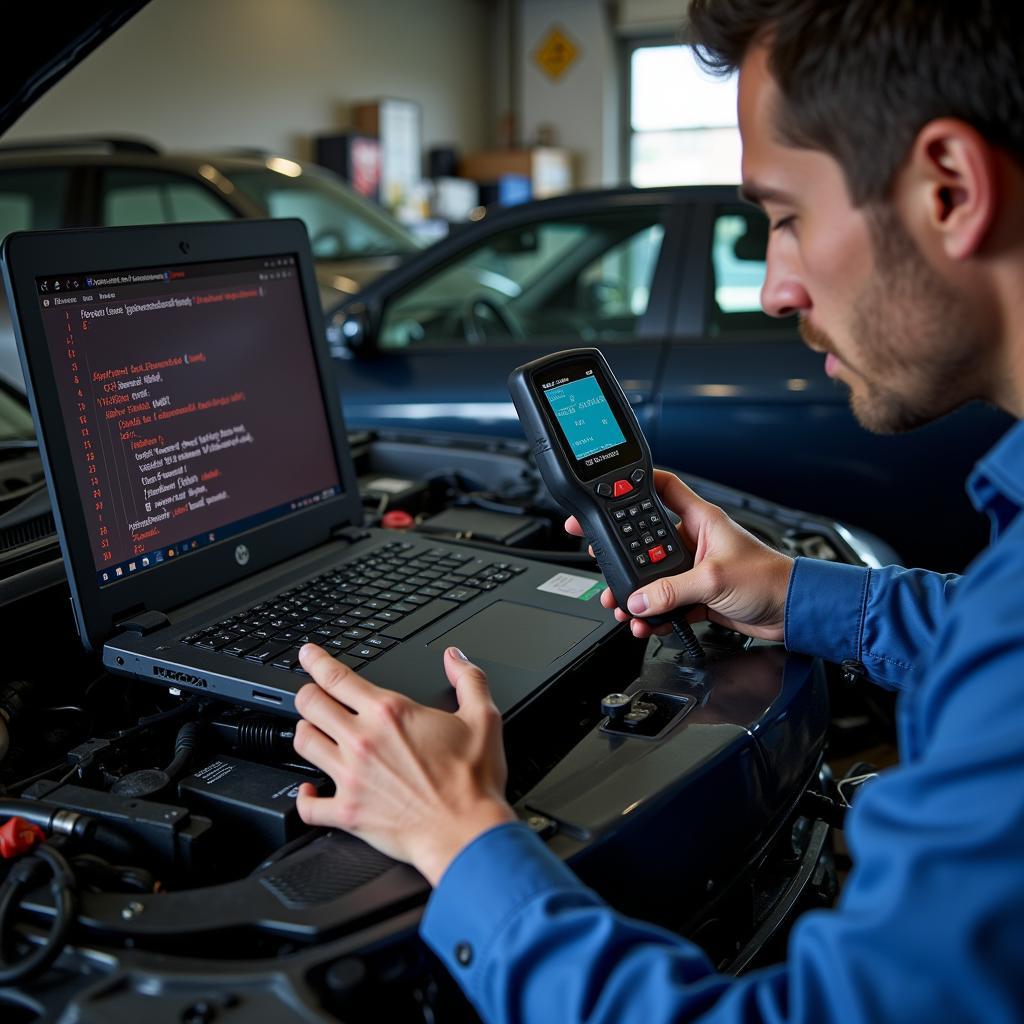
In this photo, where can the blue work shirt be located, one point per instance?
(930, 924)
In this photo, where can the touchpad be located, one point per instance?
(515, 634)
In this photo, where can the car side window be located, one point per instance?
(30, 200)
(156, 197)
(738, 248)
(571, 280)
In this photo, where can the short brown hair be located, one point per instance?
(860, 78)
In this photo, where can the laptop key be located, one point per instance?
(353, 663)
(416, 599)
(288, 660)
(390, 616)
(473, 567)
(417, 620)
(267, 652)
(382, 643)
(372, 624)
(361, 651)
(356, 634)
(461, 594)
(242, 647)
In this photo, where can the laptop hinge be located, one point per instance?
(144, 623)
(349, 533)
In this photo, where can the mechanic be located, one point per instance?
(885, 140)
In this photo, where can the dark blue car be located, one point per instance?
(666, 282)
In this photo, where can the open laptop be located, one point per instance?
(204, 490)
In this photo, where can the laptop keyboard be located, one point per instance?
(358, 609)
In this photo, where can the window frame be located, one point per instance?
(653, 322)
(627, 47)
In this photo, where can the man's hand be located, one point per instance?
(736, 580)
(417, 783)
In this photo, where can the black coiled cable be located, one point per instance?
(23, 877)
(686, 636)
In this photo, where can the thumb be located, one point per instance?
(470, 684)
(695, 586)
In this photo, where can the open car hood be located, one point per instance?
(49, 47)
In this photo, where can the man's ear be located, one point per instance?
(952, 180)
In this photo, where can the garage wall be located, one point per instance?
(582, 105)
(270, 74)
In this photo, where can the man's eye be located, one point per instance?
(784, 223)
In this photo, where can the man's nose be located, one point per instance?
(783, 293)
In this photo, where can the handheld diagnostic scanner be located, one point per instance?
(597, 465)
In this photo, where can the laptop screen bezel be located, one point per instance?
(27, 256)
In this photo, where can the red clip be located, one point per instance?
(18, 836)
(397, 520)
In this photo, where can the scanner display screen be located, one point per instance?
(582, 412)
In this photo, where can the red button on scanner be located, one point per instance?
(622, 487)
(657, 553)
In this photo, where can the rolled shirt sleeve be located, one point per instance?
(886, 619)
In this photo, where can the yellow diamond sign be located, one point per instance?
(556, 54)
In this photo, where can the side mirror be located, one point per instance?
(349, 332)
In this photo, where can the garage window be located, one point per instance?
(581, 279)
(682, 122)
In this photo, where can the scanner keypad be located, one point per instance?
(641, 526)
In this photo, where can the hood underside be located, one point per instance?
(48, 47)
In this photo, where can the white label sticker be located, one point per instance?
(388, 484)
(579, 587)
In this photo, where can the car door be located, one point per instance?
(555, 277)
(747, 403)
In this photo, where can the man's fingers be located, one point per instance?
(685, 502)
(320, 709)
(573, 527)
(671, 592)
(313, 809)
(315, 746)
(470, 684)
(344, 685)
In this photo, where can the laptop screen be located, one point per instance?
(192, 404)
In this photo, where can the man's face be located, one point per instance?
(894, 331)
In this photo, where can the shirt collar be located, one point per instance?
(996, 485)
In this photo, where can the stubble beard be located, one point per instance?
(915, 348)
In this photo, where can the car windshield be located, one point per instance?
(341, 224)
(15, 419)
